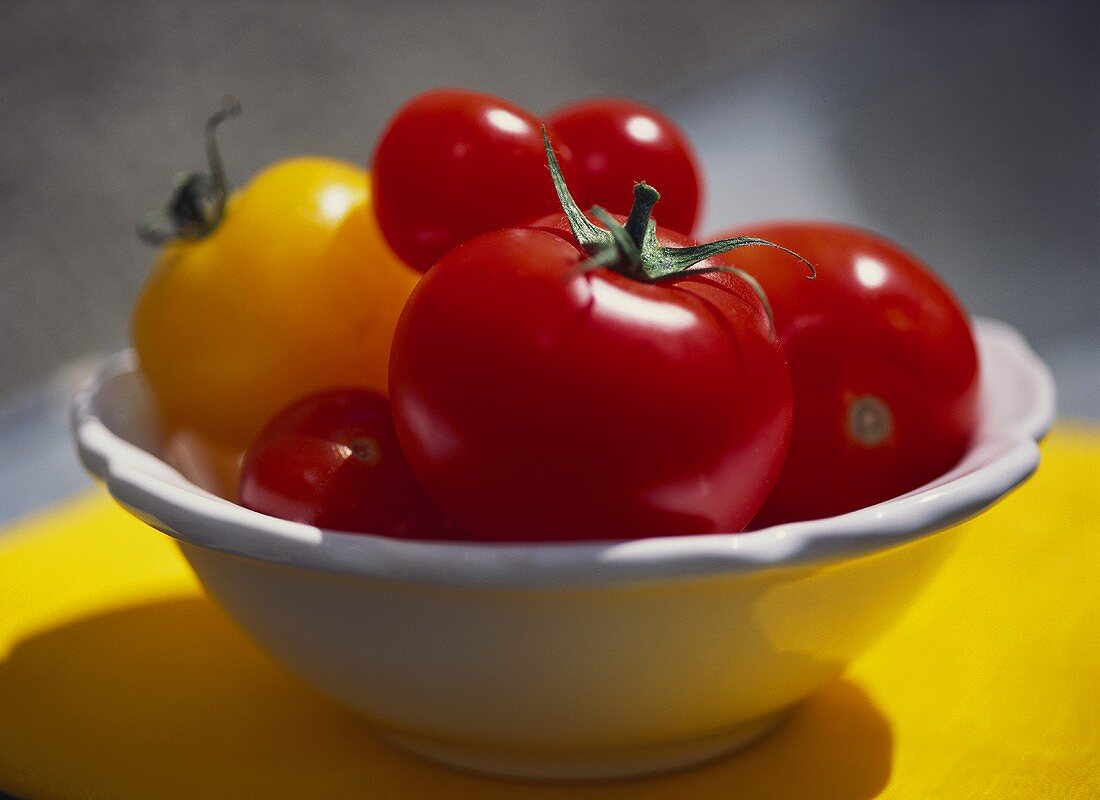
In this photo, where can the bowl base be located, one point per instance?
(591, 765)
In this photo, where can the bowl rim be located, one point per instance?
(162, 497)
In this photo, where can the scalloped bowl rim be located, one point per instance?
(1004, 454)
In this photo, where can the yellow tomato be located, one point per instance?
(293, 292)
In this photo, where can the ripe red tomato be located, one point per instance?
(883, 365)
(453, 164)
(616, 142)
(332, 460)
(538, 403)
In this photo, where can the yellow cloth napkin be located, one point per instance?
(119, 679)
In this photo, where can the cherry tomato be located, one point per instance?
(537, 403)
(332, 460)
(616, 142)
(883, 364)
(294, 291)
(453, 164)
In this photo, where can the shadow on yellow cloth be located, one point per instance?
(120, 680)
(167, 700)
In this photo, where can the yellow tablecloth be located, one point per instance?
(118, 679)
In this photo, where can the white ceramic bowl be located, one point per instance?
(570, 661)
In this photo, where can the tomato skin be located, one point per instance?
(535, 404)
(617, 142)
(877, 330)
(333, 460)
(295, 291)
(453, 164)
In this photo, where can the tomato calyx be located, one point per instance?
(632, 249)
(198, 199)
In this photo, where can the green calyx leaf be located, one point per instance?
(632, 248)
(198, 199)
(591, 237)
(674, 260)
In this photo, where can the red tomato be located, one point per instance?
(453, 164)
(332, 460)
(538, 403)
(883, 364)
(617, 142)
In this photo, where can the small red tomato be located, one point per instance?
(540, 397)
(332, 460)
(617, 142)
(453, 164)
(883, 364)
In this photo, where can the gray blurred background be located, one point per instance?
(969, 132)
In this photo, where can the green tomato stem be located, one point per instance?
(637, 224)
(632, 248)
(198, 200)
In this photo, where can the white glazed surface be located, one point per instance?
(570, 661)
